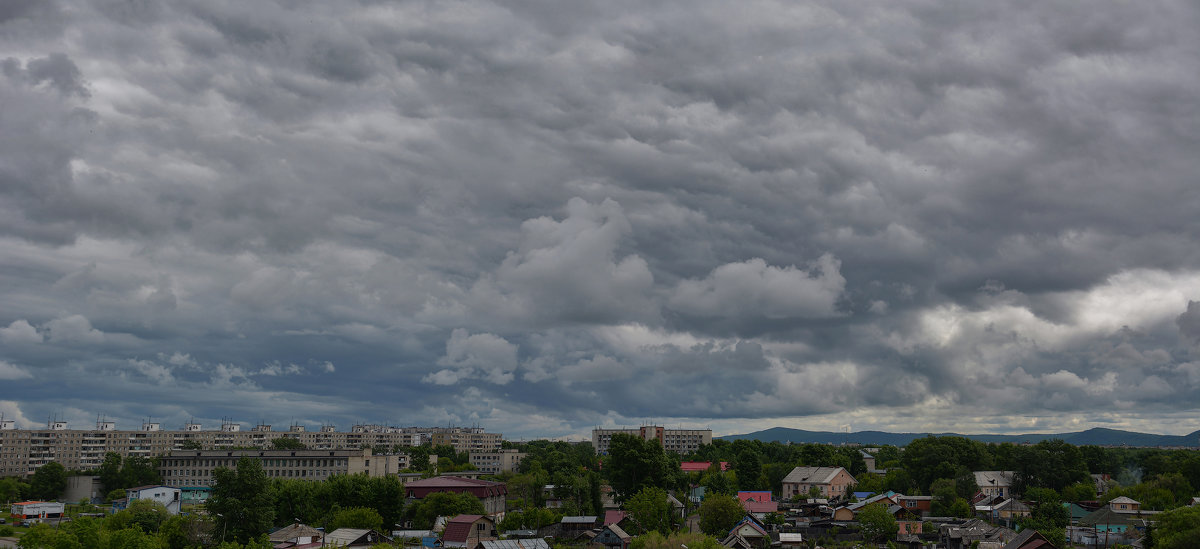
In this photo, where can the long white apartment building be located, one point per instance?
(195, 467)
(681, 441)
(22, 451)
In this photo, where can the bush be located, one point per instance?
(7, 531)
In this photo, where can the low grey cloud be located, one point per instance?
(541, 217)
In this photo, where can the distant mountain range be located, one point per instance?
(1096, 436)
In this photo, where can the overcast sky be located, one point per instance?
(544, 216)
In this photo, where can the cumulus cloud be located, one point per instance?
(12, 371)
(73, 329)
(490, 354)
(753, 288)
(570, 270)
(20, 331)
(687, 212)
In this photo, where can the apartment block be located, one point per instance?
(22, 451)
(466, 439)
(681, 441)
(494, 463)
(195, 467)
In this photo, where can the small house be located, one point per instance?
(467, 531)
(612, 537)
(355, 537)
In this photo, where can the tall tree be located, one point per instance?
(110, 472)
(287, 443)
(719, 513)
(12, 490)
(635, 463)
(356, 517)
(241, 500)
(930, 458)
(444, 504)
(748, 467)
(48, 481)
(1052, 464)
(877, 523)
(139, 471)
(1177, 528)
(651, 510)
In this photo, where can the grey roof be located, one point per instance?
(813, 475)
(536, 543)
(1013, 504)
(293, 531)
(1103, 515)
(860, 504)
(590, 519)
(413, 533)
(346, 536)
(986, 479)
(617, 531)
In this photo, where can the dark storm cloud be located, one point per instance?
(542, 217)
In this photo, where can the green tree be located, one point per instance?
(1080, 491)
(87, 530)
(146, 514)
(356, 517)
(296, 499)
(139, 471)
(719, 513)
(1047, 515)
(530, 518)
(44, 536)
(717, 482)
(386, 495)
(650, 509)
(748, 467)
(635, 463)
(241, 500)
(110, 472)
(944, 494)
(930, 458)
(48, 481)
(877, 523)
(444, 504)
(183, 531)
(12, 490)
(1176, 529)
(287, 443)
(1052, 464)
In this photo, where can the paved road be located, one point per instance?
(8, 542)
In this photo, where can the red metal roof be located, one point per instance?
(700, 466)
(756, 495)
(613, 517)
(752, 506)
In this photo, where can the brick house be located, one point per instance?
(492, 494)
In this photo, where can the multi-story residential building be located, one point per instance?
(494, 463)
(682, 441)
(830, 482)
(195, 467)
(465, 439)
(22, 451)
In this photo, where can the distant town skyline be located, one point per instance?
(543, 217)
